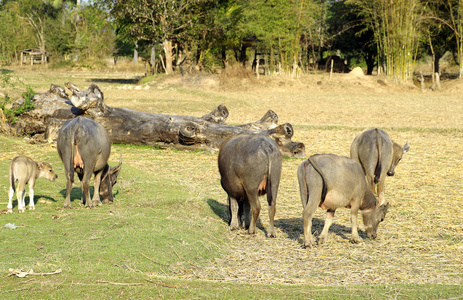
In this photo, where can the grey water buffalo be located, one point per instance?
(24, 170)
(250, 166)
(330, 182)
(378, 156)
(84, 147)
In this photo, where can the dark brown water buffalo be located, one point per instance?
(250, 166)
(331, 182)
(24, 170)
(84, 147)
(378, 156)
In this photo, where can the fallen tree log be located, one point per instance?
(126, 126)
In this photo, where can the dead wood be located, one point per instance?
(126, 126)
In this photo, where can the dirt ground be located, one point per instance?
(421, 239)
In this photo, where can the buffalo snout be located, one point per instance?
(371, 234)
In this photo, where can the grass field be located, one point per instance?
(166, 234)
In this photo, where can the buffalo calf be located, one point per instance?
(250, 166)
(330, 182)
(26, 171)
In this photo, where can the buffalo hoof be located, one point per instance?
(234, 226)
(21, 210)
(355, 240)
(31, 207)
(321, 240)
(252, 231)
(309, 245)
(9, 211)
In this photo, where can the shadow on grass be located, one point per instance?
(76, 193)
(116, 80)
(37, 198)
(5, 71)
(221, 210)
(293, 228)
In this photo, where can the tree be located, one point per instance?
(450, 14)
(440, 36)
(35, 13)
(277, 25)
(396, 26)
(14, 34)
(164, 21)
(349, 34)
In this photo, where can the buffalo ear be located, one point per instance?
(116, 170)
(383, 210)
(384, 207)
(406, 147)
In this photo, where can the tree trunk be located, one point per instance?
(168, 51)
(153, 59)
(243, 55)
(126, 126)
(135, 53)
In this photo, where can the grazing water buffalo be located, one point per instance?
(26, 171)
(378, 155)
(250, 166)
(331, 182)
(84, 147)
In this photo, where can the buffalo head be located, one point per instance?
(372, 218)
(108, 180)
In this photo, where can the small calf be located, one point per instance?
(26, 171)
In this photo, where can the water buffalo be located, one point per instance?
(250, 166)
(331, 182)
(26, 171)
(84, 147)
(378, 156)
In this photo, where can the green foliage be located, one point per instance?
(207, 31)
(27, 105)
(5, 79)
(62, 63)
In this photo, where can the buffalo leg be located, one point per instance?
(21, 194)
(355, 235)
(371, 183)
(307, 216)
(272, 199)
(85, 184)
(31, 196)
(381, 196)
(233, 208)
(255, 210)
(69, 182)
(81, 176)
(10, 200)
(328, 221)
(96, 192)
(247, 214)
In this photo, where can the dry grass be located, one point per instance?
(420, 240)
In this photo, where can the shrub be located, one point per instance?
(27, 105)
